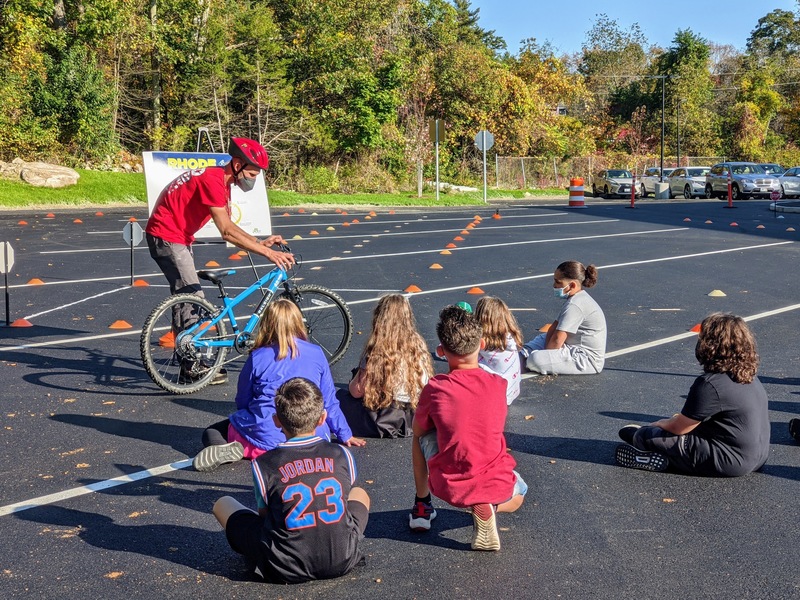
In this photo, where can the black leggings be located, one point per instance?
(217, 434)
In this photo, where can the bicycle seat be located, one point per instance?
(215, 276)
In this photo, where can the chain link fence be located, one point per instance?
(529, 172)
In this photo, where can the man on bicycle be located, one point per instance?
(188, 203)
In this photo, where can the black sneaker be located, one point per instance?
(632, 458)
(794, 429)
(626, 433)
(421, 516)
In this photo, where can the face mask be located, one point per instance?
(246, 183)
(561, 293)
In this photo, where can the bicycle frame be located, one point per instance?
(271, 281)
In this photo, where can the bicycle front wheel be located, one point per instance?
(181, 362)
(326, 317)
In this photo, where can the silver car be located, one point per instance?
(612, 182)
(790, 183)
(689, 182)
(648, 180)
(747, 179)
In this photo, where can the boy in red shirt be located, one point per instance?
(459, 450)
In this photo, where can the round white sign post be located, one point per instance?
(133, 234)
(6, 262)
(484, 140)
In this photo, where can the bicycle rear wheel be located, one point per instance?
(172, 360)
(326, 316)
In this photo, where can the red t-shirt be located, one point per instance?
(467, 408)
(183, 207)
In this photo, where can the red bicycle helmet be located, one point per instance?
(250, 151)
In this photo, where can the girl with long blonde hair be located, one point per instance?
(395, 365)
(502, 340)
(281, 352)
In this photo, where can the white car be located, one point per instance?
(612, 182)
(689, 182)
(790, 183)
(647, 182)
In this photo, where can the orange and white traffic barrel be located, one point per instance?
(576, 199)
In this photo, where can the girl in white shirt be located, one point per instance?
(503, 338)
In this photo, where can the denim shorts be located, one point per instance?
(430, 448)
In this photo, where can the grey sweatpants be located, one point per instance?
(567, 360)
(177, 264)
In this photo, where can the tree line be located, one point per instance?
(341, 91)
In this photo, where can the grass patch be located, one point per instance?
(93, 187)
(104, 187)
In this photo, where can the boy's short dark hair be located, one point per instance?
(459, 331)
(298, 405)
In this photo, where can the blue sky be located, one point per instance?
(565, 24)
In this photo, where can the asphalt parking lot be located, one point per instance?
(99, 499)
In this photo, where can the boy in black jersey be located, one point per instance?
(310, 519)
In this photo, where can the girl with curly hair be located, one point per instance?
(502, 339)
(395, 365)
(723, 429)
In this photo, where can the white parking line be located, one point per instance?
(49, 310)
(439, 290)
(182, 464)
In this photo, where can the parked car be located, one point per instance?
(790, 183)
(772, 169)
(747, 179)
(647, 182)
(689, 182)
(612, 182)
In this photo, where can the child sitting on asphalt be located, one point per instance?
(723, 428)
(502, 340)
(310, 520)
(459, 450)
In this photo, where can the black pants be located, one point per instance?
(216, 434)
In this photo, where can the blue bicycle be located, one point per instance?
(186, 338)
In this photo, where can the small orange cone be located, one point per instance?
(436, 266)
(451, 245)
(21, 323)
(120, 325)
(167, 340)
(445, 252)
(140, 283)
(475, 290)
(338, 210)
(412, 289)
(709, 221)
(496, 214)
(133, 219)
(471, 226)
(368, 218)
(286, 215)
(696, 328)
(686, 220)
(77, 221)
(465, 232)
(477, 218)
(734, 224)
(354, 221)
(345, 224)
(790, 229)
(344, 212)
(458, 238)
(22, 223)
(313, 232)
(98, 214)
(372, 213)
(391, 212)
(212, 263)
(760, 227)
(50, 215)
(301, 210)
(545, 328)
(234, 257)
(36, 281)
(242, 253)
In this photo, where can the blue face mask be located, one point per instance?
(561, 293)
